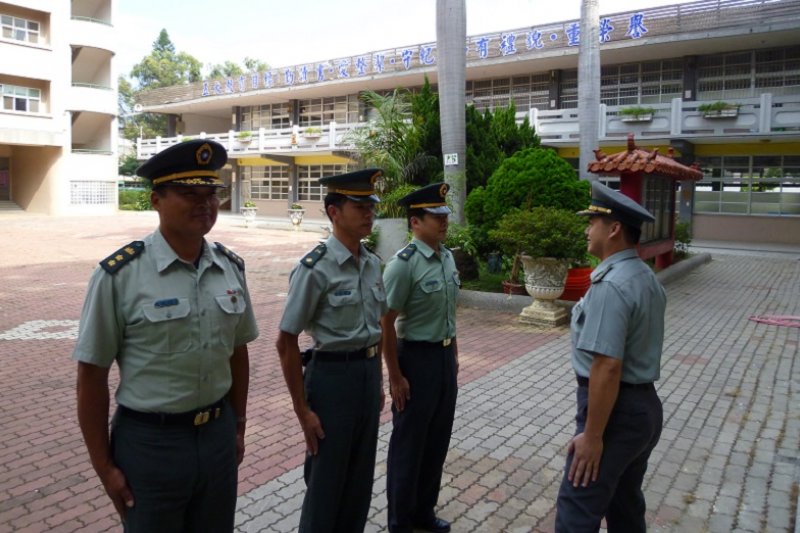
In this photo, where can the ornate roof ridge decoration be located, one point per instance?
(636, 159)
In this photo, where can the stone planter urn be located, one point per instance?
(296, 217)
(249, 214)
(544, 280)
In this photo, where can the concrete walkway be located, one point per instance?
(727, 460)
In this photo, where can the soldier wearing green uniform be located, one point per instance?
(336, 295)
(421, 354)
(174, 313)
(617, 338)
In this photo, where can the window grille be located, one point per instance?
(25, 99)
(89, 192)
(268, 182)
(309, 188)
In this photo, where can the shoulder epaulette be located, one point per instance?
(230, 255)
(600, 275)
(314, 255)
(406, 253)
(122, 257)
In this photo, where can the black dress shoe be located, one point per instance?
(437, 525)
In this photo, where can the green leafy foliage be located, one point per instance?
(541, 232)
(460, 236)
(683, 237)
(165, 66)
(492, 136)
(717, 106)
(636, 111)
(128, 165)
(530, 178)
(388, 206)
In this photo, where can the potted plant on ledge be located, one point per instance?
(296, 212)
(546, 239)
(312, 133)
(244, 137)
(719, 110)
(636, 114)
(249, 211)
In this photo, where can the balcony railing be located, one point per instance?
(91, 19)
(766, 115)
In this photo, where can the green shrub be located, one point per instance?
(683, 237)
(541, 232)
(636, 111)
(530, 178)
(459, 236)
(716, 106)
(388, 206)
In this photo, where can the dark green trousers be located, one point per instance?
(345, 395)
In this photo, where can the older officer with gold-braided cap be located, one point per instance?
(617, 338)
(421, 355)
(173, 312)
(336, 296)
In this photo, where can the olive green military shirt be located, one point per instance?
(622, 316)
(338, 301)
(170, 327)
(423, 289)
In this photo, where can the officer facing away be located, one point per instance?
(174, 313)
(422, 360)
(336, 295)
(617, 338)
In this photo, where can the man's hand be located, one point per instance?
(585, 465)
(117, 489)
(400, 391)
(312, 429)
(239, 446)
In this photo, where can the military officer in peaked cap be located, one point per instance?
(336, 295)
(174, 313)
(617, 338)
(419, 345)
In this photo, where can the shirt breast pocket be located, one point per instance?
(431, 286)
(343, 309)
(231, 307)
(167, 326)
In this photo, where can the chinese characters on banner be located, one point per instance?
(409, 58)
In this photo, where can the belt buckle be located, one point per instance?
(446, 342)
(372, 351)
(201, 418)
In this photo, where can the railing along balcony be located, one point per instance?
(284, 141)
(765, 115)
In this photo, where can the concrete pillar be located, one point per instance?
(555, 89)
(589, 85)
(690, 78)
(294, 184)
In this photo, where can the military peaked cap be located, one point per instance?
(431, 198)
(608, 202)
(358, 186)
(194, 162)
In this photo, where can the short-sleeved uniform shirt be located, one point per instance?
(338, 301)
(622, 316)
(170, 326)
(423, 290)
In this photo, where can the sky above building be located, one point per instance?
(285, 33)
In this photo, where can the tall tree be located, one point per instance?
(165, 67)
(589, 85)
(451, 36)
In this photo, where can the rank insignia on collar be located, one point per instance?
(406, 253)
(122, 257)
(311, 258)
(237, 260)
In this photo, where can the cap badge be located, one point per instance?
(203, 154)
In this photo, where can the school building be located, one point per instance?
(58, 119)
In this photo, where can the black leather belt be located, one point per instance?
(190, 418)
(584, 382)
(436, 344)
(354, 355)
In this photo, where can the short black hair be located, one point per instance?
(631, 234)
(416, 212)
(335, 199)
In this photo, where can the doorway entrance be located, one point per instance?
(5, 179)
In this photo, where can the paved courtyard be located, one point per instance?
(727, 459)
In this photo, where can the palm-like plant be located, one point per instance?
(388, 141)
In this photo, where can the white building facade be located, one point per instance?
(58, 125)
(673, 60)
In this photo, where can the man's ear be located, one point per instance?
(154, 199)
(616, 229)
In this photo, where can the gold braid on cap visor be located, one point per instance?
(432, 204)
(352, 193)
(189, 174)
(598, 209)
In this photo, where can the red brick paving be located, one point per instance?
(46, 482)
